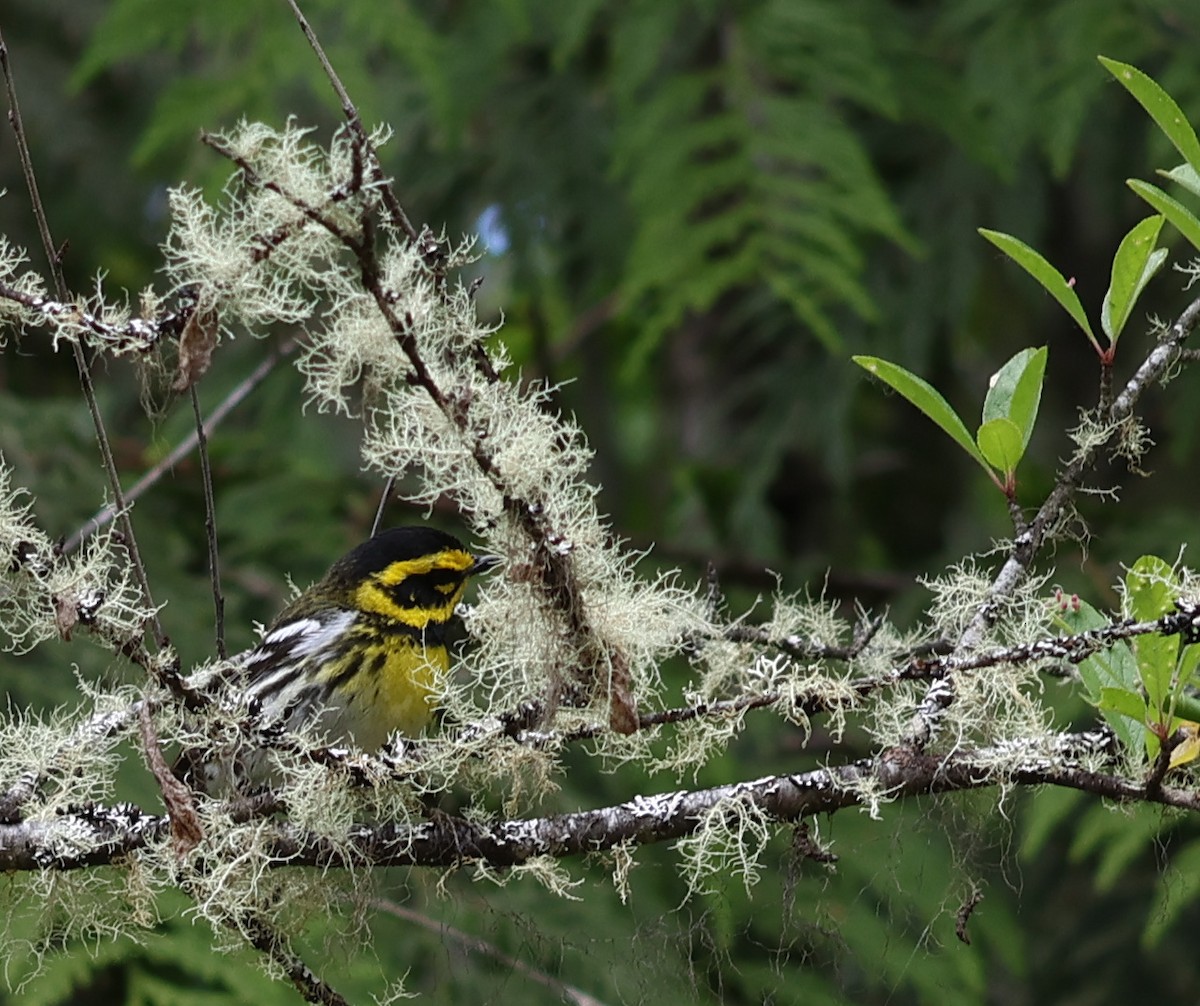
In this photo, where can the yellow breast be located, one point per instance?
(397, 689)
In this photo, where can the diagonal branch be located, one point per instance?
(270, 942)
(210, 527)
(605, 671)
(354, 120)
(181, 450)
(1154, 368)
(475, 944)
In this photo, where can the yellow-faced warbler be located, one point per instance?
(362, 652)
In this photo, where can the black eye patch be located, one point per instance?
(426, 589)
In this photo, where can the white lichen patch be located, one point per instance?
(729, 842)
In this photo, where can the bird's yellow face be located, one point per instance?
(405, 669)
(417, 592)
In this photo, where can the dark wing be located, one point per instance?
(282, 677)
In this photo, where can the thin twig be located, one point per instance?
(520, 723)
(114, 481)
(210, 526)
(805, 649)
(137, 335)
(185, 446)
(186, 830)
(53, 257)
(383, 499)
(269, 941)
(475, 944)
(350, 111)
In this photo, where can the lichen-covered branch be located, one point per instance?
(1027, 545)
(96, 835)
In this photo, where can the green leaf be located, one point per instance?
(1001, 444)
(1150, 589)
(1187, 706)
(1187, 667)
(1151, 586)
(1160, 105)
(1182, 219)
(1136, 261)
(1078, 616)
(1113, 669)
(1117, 665)
(1050, 278)
(926, 398)
(1015, 391)
(1184, 175)
(1125, 702)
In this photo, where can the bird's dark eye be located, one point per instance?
(405, 593)
(427, 589)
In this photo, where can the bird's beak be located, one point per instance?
(483, 563)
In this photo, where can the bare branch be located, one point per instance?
(181, 450)
(475, 944)
(350, 111)
(81, 362)
(384, 494)
(210, 527)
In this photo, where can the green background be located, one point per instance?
(697, 211)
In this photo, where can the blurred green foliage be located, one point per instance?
(696, 212)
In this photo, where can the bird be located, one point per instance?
(362, 653)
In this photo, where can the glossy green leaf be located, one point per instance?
(1160, 105)
(1151, 586)
(1050, 278)
(1125, 702)
(1187, 706)
(1188, 661)
(1113, 668)
(926, 398)
(1015, 391)
(1136, 261)
(1116, 665)
(1001, 444)
(1182, 219)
